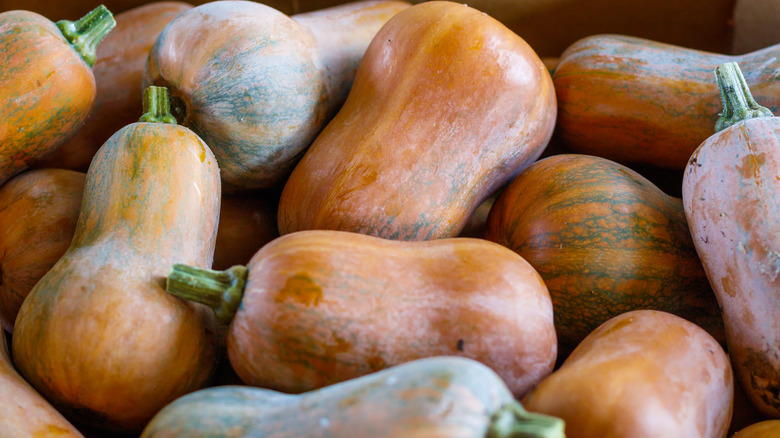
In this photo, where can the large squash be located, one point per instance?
(606, 241)
(320, 307)
(98, 336)
(447, 105)
(731, 193)
(435, 397)
(640, 101)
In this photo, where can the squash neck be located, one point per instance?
(513, 421)
(87, 32)
(220, 290)
(738, 103)
(156, 106)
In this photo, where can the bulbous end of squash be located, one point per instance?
(220, 290)
(86, 33)
(513, 421)
(738, 102)
(157, 106)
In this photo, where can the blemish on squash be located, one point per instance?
(751, 164)
(460, 345)
(618, 325)
(54, 429)
(301, 288)
(763, 377)
(727, 286)
(376, 363)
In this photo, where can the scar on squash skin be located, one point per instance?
(301, 288)
(460, 345)
(763, 377)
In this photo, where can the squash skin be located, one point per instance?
(403, 159)
(38, 213)
(23, 412)
(118, 71)
(98, 336)
(634, 100)
(434, 397)
(762, 429)
(731, 193)
(641, 374)
(606, 241)
(321, 307)
(47, 90)
(258, 101)
(247, 221)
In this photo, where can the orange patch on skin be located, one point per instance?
(301, 288)
(727, 286)
(751, 164)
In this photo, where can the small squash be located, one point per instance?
(118, 71)
(320, 307)
(606, 241)
(46, 84)
(253, 83)
(38, 214)
(98, 336)
(634, 100)
(731, 194)
(447, 105)
(642, 374)
(433, 397)
(23, 412)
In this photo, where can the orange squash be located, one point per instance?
(320, 307)
(606, 241)
(38, 213)
(98, 336)
(447, 105)
(23, 412)
(434, 397)
(731, 193)
(46, 82)
(257, 85)
(762, 429)
(641, 374)
(640, 101)
(118, 71)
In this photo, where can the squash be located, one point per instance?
(247, 221)
(46, 82)
(97, 335)
(23, 412)
(320, 307)
(606, 241)
(121, 58)
(731, 194)
(639, 101)
(439, 396)
(38, 213)
(762, 429)
(643, 373)
(447, 105)
(253, 83)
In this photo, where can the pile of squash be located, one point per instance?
(382, 219)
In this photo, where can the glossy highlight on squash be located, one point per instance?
(447, 105)
(319, 307)
(98, 336)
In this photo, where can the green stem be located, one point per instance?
(86, 33)
(513, 421)
(220, 290)
(157, 106)
(738, 102)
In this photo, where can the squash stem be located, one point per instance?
(513, 421)
(738, 102)
(157, 106)
(86, 33)
(220, 290)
